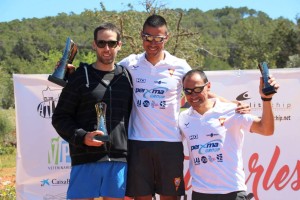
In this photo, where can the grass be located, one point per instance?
(7, 154)
(7, 161)
(8, 176)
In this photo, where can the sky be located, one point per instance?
(20, 9)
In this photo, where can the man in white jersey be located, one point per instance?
(155, 163)
(155, 144)
(214, 134)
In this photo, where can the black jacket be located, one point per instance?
(75, 113)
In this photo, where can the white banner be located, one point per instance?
(43, 160)
(272, 164)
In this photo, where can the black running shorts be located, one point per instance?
(155, 167)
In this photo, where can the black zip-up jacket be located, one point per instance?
(75, 113)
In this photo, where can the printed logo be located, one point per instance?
(154, 104)
(46, 107)
(204, 159)
(193, 137)
(194, 147)
(212, 146)
(197, 161)
(139, 103)
(134, 67)
(171, 72)
(146, 103)
(160, 82)
(140, 90)
(242, 97)
(220, 157)
(162, 104)
(54, 196)
(187, 125)
(177, 182)
(54, 182)
(222, 120)
(212, 134)
(155, 93)
(257, 106)
(211, 159)
(45, 182)
(59, 154)
(140, 80)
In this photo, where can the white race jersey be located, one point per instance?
(215, 142)
(156, 97)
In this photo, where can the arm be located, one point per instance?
(242, 108)
(265, 124)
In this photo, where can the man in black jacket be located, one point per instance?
(98, 168)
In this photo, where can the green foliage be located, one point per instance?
(227, 38)
(7, 131)
(8, 193)
(7, 151)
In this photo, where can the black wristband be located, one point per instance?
(266, 99)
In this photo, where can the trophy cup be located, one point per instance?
(267, 88)
(101, 122)
(60, 75)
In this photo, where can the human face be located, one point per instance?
(154, 49)
(194, 84)
(105, 50)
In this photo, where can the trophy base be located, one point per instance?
(57, 81)
(269, 90)
(103, 138)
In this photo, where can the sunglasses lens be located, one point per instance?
(112, 44)
(159, 39)
(150, 38)
(187, 91)
(102, 44)
(198, 89)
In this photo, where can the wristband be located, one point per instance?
(266, 99)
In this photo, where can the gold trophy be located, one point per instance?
(101, 122)
(60, 75)
(267, 88)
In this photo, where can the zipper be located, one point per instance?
(110, 117)
(110, 108)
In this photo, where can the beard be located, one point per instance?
(106, 61)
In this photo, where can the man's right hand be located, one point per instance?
(90, 141)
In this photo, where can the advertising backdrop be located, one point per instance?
(271, 164)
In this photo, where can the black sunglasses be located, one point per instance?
(150, 38)
(189, 91)
(103, 43)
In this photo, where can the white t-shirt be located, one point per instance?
(215, 141)
(156, 96)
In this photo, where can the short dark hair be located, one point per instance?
(196, 71)
(155, 21)
(107, 26)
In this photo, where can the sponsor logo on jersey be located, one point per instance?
(193, 137)
(140, 80)
(146, 103)
(171, 72)
(160, 82)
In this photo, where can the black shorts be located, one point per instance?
(238, 195)
(155, 168)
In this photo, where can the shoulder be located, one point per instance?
(132, 58)
(178, 62)
(80, 73)
(223, 107)
(185, 113)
